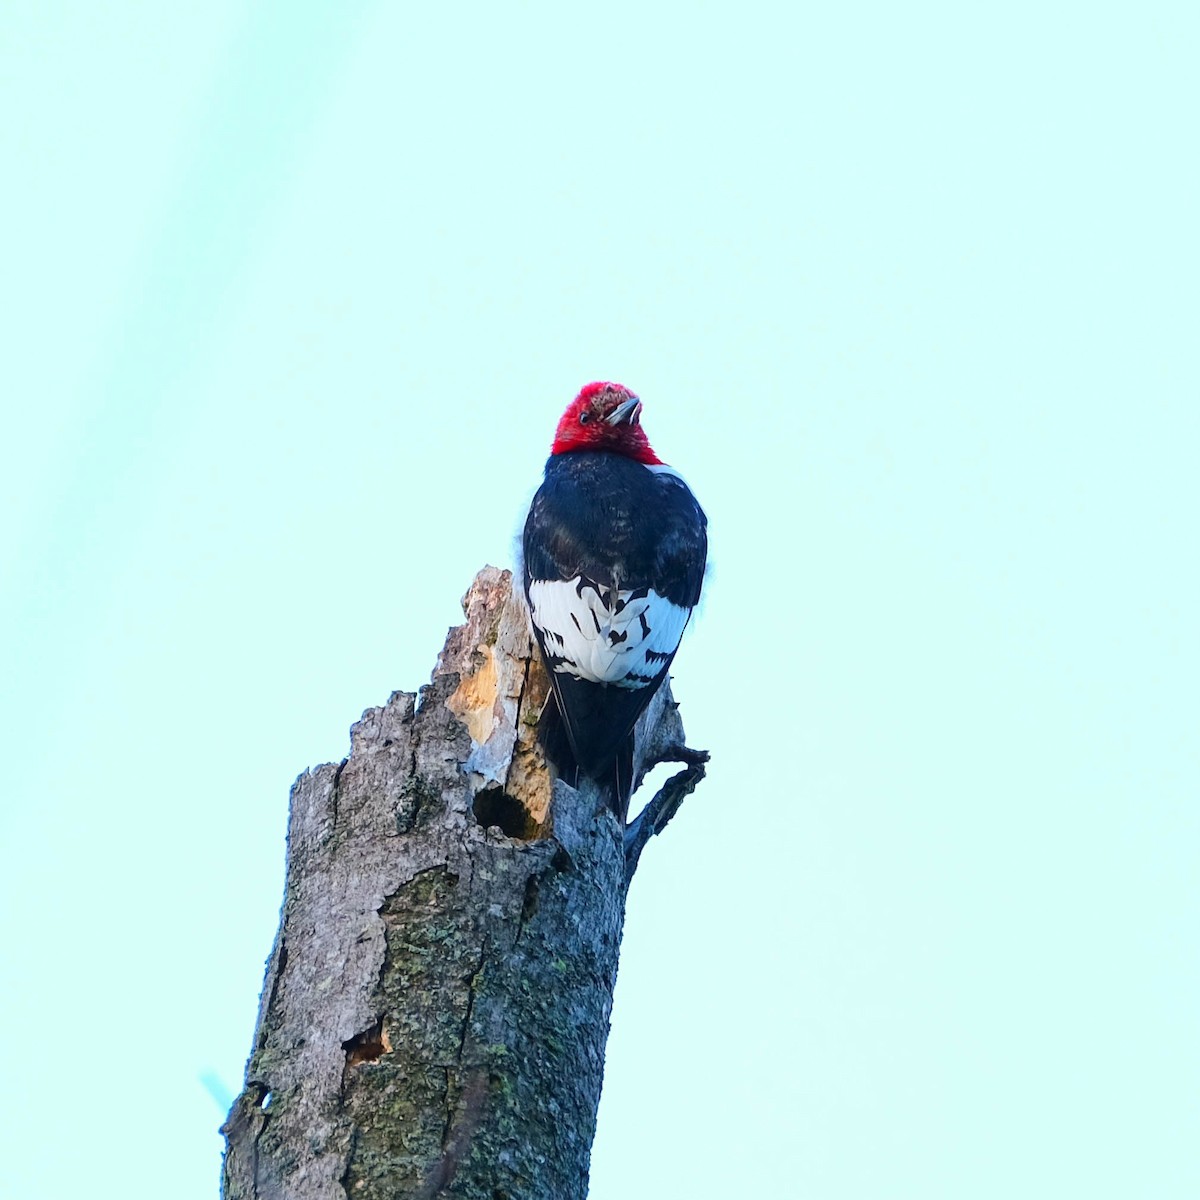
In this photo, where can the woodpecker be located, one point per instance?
(614, 551)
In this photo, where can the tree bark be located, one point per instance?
(436, 1005)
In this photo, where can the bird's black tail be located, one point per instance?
(613, 769)
(623, 778)
(556, 743)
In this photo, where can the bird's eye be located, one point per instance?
(584, 417)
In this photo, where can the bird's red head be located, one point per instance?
(604, 416)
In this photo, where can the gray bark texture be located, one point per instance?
(437, 1001)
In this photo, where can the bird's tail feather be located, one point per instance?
(556, 743)
(614, 769)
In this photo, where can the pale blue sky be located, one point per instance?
(910, 294)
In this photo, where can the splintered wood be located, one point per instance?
(501, 695)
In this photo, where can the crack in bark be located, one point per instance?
(529, 904)
(470, 982)
(456, 1133)
(512, 762)
(335, 796)
(414, 789)
(457, 1136)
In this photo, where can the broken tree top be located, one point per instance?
(436, 1004)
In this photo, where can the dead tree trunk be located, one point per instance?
(436, 1006)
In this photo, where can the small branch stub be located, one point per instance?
(436, 1005)
(658, 812)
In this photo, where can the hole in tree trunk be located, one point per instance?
(495, 807)
(369, 1046)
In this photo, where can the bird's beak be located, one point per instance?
(629, 411)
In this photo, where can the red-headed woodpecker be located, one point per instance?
(614, 552)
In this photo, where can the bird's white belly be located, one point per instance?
(604, 636)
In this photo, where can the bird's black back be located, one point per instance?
(612, 520)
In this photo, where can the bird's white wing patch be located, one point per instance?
(604, 636)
